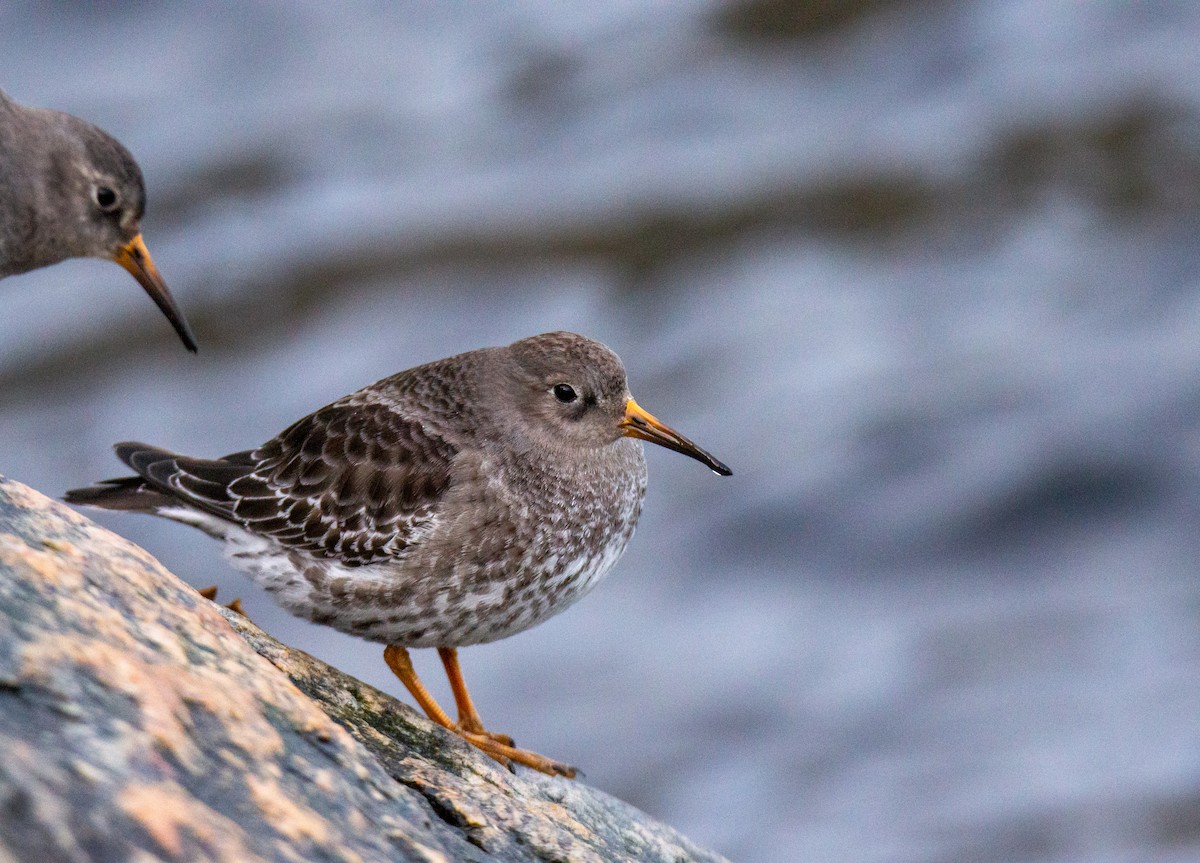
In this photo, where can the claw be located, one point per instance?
(507, 755)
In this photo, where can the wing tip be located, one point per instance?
(126, 493)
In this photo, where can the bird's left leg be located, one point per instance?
(468, 716)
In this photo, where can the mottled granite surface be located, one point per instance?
(140, 721)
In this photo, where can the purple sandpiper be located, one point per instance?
(70, 190)
(452, 504)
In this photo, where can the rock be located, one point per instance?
(140, 721)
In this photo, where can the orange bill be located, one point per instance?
(134, 257)
(640, 424)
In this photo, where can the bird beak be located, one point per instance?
(134, 257)
(639, 424)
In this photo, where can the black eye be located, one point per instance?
(565, 393)
(106, 199)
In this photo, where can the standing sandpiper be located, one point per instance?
(452, 504)
(70, 190)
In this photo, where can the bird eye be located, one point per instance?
(106, 199)
(565, 393)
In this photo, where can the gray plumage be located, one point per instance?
(451, 504)
(71, 190)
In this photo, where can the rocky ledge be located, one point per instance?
(139, 721)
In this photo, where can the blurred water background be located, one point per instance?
(926, 274)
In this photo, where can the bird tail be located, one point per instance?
(129, 493)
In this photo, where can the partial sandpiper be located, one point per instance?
(70, 190)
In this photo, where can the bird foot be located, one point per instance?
(465, 727)
(469, 726)
(508, 755)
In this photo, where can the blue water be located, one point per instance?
(927, 276)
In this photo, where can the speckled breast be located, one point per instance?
(525, 545)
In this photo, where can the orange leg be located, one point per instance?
(399, 661)
(468, 716)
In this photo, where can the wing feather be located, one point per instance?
(352, 481)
